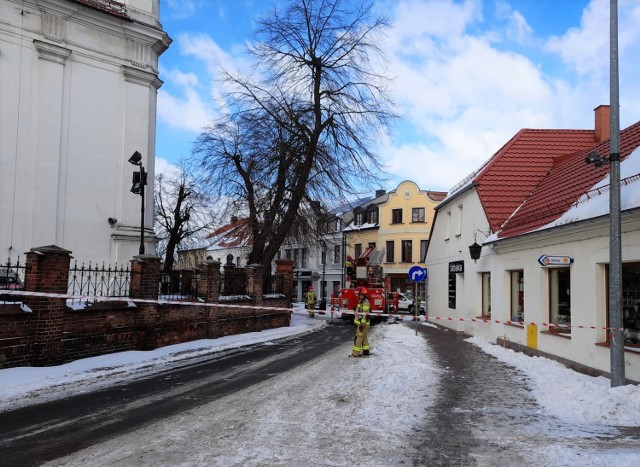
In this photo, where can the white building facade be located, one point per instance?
(78, 98)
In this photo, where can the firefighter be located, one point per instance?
(362, 321)
(311, 302)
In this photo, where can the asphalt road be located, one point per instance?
(33, 435)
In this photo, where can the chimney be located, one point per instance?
(603, 124)
(380, 192)
(234, 219)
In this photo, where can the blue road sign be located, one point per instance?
(417, 274)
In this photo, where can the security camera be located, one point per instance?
(595, 159)
(112, 221)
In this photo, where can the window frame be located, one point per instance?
(419, 215)
(404, 246)
(396, 216)
(390, 253)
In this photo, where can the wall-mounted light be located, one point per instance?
(137, 187)
(475, 250)
(112, 221)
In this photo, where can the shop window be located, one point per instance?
(560, 299)
(452, 290)
(517, 295)
(630, 303)
(486, 294)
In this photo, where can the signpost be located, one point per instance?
(546, 260)
(417, 274)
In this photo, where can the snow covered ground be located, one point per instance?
(328, 412)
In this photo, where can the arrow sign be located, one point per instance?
(546, 260)
(417, 274)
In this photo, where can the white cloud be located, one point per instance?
(584, 49)
(466, 92)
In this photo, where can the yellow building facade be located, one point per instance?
(398, 223)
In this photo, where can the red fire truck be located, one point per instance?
(365, 271)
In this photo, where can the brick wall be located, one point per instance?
(53, 333)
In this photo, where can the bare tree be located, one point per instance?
(303, 132)
(183, 213)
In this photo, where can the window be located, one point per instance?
(371, 245)
(396, 216)
(407, 254)
(304, 255)
(424, 244)
(560, 299)
(417, 215)
(447, 226)
(372, 215)
(359, 218)
(323, 257)
(287, 253)
(296, 259)
(338, 225)
(630, 303)
(486, 294)
(459, 222)
(336, 254)
(517, 295)
(357, 250)
(390, 251)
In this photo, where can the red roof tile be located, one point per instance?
(236, 233)
(437, 195)
(566, 180)
(519, 166)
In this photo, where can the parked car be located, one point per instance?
(405, 303)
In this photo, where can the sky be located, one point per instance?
(467, 75)
(577, 420)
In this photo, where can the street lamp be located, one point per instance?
(139, 182)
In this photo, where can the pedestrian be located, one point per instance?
(311, 302)
(362, 320)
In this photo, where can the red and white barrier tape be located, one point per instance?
(557, 327)
(338, 313)
(97, 298)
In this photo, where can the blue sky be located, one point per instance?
(467, 75)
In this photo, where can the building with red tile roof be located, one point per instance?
(567, 179)
(540, 282)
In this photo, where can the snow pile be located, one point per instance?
(571, 396)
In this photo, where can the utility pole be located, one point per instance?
(615, 250)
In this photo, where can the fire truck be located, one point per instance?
(364, 271)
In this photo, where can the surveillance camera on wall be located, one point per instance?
(112, 221)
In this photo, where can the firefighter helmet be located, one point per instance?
(362, 291)
(310, 288)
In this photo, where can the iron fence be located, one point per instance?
(97, 281)
(182, 285)
(12, 277)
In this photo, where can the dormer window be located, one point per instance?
(358, 216)
(372, 215)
